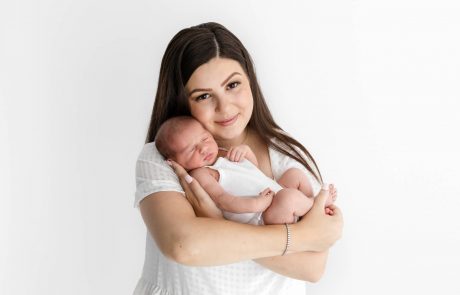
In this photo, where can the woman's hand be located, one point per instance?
(319, 228)
(201, 202)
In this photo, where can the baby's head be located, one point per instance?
(184, 140)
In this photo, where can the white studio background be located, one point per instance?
(370, 87)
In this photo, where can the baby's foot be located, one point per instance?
(332, 195)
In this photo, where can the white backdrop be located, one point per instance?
(370, 87)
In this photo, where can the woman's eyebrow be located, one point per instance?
(209, 89)
(199, 90)
(229, 77)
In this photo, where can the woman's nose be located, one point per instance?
(222, 104)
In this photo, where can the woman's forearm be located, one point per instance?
(200, 241)
(209, 241)
(305, 266)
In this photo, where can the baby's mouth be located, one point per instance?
(208, 157)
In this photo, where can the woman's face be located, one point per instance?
(220, 97)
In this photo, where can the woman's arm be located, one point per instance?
(305, 266)
(199, 241)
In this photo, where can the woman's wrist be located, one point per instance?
(300, 238)
(288, 239)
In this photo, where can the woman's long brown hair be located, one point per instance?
(192, 47)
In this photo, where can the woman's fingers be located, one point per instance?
(324, 223)
(178, 169)
(201, 202)
(321, 198)
(184, 178)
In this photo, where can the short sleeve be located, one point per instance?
(153, 174)
(280, 163)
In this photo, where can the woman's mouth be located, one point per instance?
(228, 121)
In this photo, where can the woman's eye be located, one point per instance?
(233, 85)
(202, 97)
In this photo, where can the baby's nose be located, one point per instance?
(203, 148)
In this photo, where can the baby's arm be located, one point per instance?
(240, 152)
(229, 202)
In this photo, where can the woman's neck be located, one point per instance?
(242, 139)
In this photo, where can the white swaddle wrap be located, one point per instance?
(246, 180)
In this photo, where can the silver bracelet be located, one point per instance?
(288, 239)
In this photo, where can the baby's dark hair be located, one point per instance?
(166, 133)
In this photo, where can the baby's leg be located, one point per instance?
(287, 204)
(296, 179)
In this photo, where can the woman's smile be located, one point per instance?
(229, 121)
(220, 98)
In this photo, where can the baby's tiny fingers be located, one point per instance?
(265, 191)
(229, 152)
(233, 155)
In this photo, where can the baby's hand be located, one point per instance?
(267, 193)
(265, 199)
(238, 153)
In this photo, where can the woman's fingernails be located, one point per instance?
(188, 178)
(325, 187)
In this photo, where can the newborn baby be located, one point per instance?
(232, 178)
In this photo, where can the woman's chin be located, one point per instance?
(229, 136)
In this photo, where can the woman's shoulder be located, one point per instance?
(153, 174)
(149, 152)
(152, 164)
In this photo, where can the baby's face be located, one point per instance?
(194, 147)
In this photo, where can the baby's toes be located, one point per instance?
(329, 200)
(334, 196)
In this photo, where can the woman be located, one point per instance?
(206, 72)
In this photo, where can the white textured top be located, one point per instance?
(161, 275)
